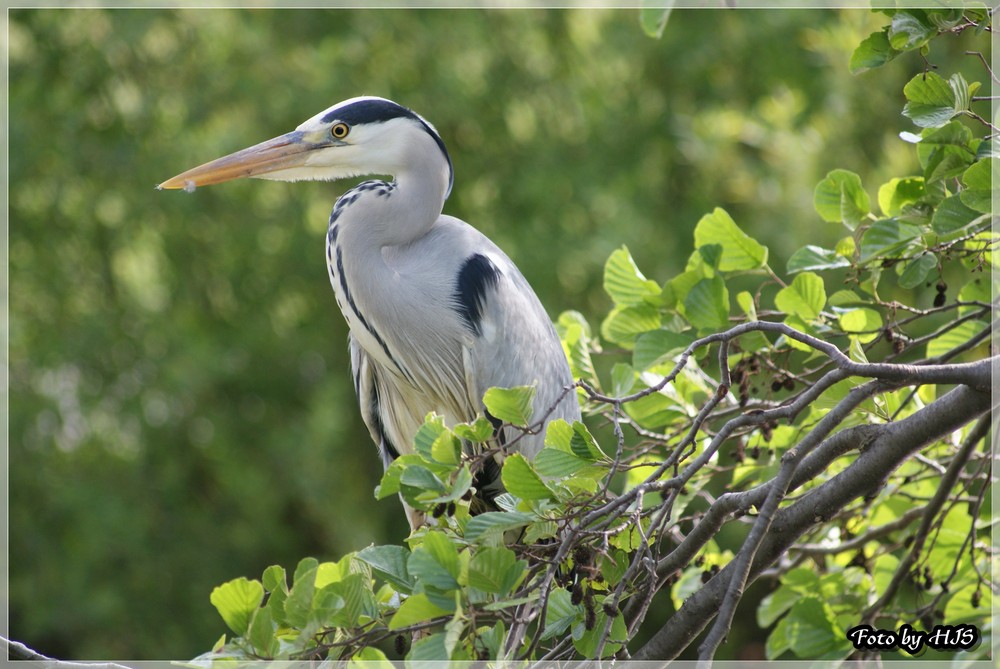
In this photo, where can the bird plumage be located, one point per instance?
(437, 312)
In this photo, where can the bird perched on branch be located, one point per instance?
(437, 312)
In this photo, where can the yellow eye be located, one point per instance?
(340, 130)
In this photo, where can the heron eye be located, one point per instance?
(340, 130)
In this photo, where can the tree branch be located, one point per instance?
(893, 443)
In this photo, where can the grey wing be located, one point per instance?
(363, 370)
(513, 342)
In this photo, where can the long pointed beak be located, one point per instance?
(288, 150)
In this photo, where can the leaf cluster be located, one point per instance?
(732, 392)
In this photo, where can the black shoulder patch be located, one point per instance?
(478, 273)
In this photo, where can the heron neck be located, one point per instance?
(383, 214)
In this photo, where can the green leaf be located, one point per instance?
(625, 283)
(887, 237)
(479, 431)
(558, 434)
(910, 30)
(953, 214)
(896, 193)
(805, 297)
(954, 133)
(864, 323)
(944, 162)
(840, 198)
(813, 631)
(574, 331)
(957, 336)
(587, 643)
(274, 578)
(711, 255)
(583, 444)
(236, 601)
(812, 258)
(556, 463)
(430, 650)
(931, 100)
(978, 289)
(745, 300)
(492, 524)
(300, 597)
(797, 323)
(874, 51)
(390, 563)
(739, 250)
(511, 405)
(624, 324)
(653, 16)
(844, 297)
(978, 180)
(916, 270)
(846, 248)
(421, 478)
(495, 570)
(260, 634)
(328, 607)
(560, 614)
(389, 485)
(962, 90)
(521, 480)
(774, 605)
(654, 410)
(656, 346)
(435, 442)
(416, 609)
(706, 305)
(434, 563)
(369, 657)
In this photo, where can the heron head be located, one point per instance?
(364, 135)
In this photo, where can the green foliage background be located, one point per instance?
(180, 403)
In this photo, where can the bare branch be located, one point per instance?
(892, 445)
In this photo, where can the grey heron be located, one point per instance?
(437, 313)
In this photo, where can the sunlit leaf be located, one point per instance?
(814, 258)
(931, 100)
(897, 193)
(955, 337)
(624, 324)
(495, 570)
(864, 323)
(416, 609)
(740, 251)
(625, 283)
(805, 296)
(236, 601)
(653, 16)
(978, 193)
(521, 480)
(840, 198)
(511, 405)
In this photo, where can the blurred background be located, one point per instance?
(181, 410)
